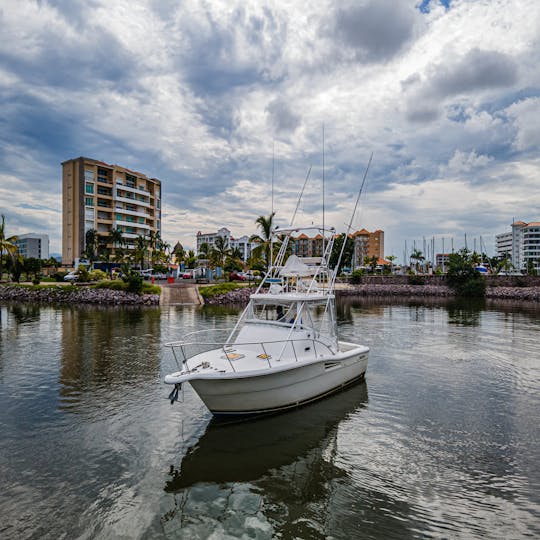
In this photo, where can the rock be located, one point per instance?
(81, 295)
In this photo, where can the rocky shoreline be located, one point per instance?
(68, 295)
(530, 294)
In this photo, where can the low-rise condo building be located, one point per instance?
(521, 245)
(367, 245)
(33, 245)
(242, 244)
(103, 197)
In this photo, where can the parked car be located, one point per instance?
(250, 276)
(71, 276)
(188, 274)
(237, 276)
(159, 275)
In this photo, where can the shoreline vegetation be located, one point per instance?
(528, 294)
(520, 288)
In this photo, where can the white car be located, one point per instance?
(71, 276)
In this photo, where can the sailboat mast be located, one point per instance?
(323, 201)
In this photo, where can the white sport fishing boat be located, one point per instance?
(284, 350)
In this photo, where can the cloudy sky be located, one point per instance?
(212, 96)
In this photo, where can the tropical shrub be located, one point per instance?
(462, 275)
(356, 276)
(415, 279)
(97, 275)
(216, 290)
(134, 282)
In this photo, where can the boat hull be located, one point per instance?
(284, 389)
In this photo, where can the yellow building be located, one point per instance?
(103, 197)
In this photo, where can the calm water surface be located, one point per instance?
(442, 441)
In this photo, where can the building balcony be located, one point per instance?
(132, 201)
(133, 224)
(123, 185)
(133, 213)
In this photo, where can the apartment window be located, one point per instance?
(141, 220)
(89, 188)
(130, 181)
(89, 175)
(104, 191)
(89, 201)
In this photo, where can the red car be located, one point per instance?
(237, 276)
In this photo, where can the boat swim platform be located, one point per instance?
(179, 294)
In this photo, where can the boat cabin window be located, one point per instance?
(284, 313)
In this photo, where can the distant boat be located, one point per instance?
(481, 268)
(284, 350)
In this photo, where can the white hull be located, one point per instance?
(279, 389)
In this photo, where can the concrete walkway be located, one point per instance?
(179, 294)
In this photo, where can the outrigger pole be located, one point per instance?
(350, 222)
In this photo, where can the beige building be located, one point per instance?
(367, 244)
(103, 197)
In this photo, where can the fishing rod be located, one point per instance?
(349, 227)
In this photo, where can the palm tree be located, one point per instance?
(221, 250)
(116, 238)
(7, 245)
(204, 251)
(264, 240)
(91, 244)
(418, 257)
(141, 248)
(391, 258)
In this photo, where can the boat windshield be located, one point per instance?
(305, 315)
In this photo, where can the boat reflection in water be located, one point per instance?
(260, 468)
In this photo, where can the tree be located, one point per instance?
(204, 251)
(190, 260)
(116, 239)
(15, 265)
(90, 245)
(336, 250)
(7, 245)
(32, 265)
(221, 250)
(264, 240)
(531, 269)
(462, 275)
(417, 256)
(141, 249)
(391, 258)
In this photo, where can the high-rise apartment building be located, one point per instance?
(103, 197)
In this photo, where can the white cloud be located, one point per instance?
(198, 94)
(526, 119)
